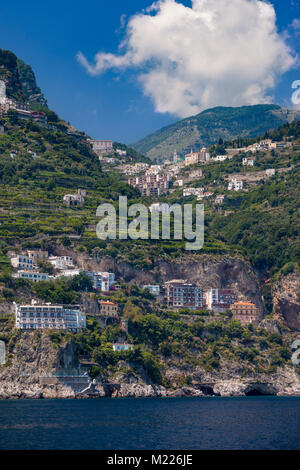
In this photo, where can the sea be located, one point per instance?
(215, 423)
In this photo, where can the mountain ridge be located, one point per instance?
(212, 124)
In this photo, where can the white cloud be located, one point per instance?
(295, 25)
(213, 53)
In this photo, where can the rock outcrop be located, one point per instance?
(20, 80)
(286, 299)
(210, 271)
(35, 356)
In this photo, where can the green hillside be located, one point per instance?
(211, 125)
(39, 164)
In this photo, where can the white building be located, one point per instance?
(61, 262)
(122, 153)
(22, 262)
(202, 196)
(47, 316)
(248, 161)
(193, 192)
(220, 158)
(102, 280)
(235, 185)
(154, 289)
(31, 276)
(122, 347)
(271, 172)
(69, 273)
(219, 299)
(161, 207)
(154, 170)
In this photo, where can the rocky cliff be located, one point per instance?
(208, 271)
(32, 356)
(286, 299)
(20, 80)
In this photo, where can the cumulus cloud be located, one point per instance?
(213, 53)
(295, 26)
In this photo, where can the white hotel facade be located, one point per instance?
(47, 316)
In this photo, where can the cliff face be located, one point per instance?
(207, 271)
(286, 299)
(32, 92)
(34, 355)
(29, 356)
(19, 79)
(10, 75)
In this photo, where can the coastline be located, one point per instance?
(222, 389)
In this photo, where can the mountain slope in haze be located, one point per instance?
(211, 125)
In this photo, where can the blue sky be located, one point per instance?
(113, 104)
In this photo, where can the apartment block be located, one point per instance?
(153, 184)
(47, 316)
(180, 294)
(31, 276)
(102, 147)
(220, 300)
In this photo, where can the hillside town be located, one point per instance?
(177, 295)
(149, 308)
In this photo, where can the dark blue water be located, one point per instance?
(180, 423)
